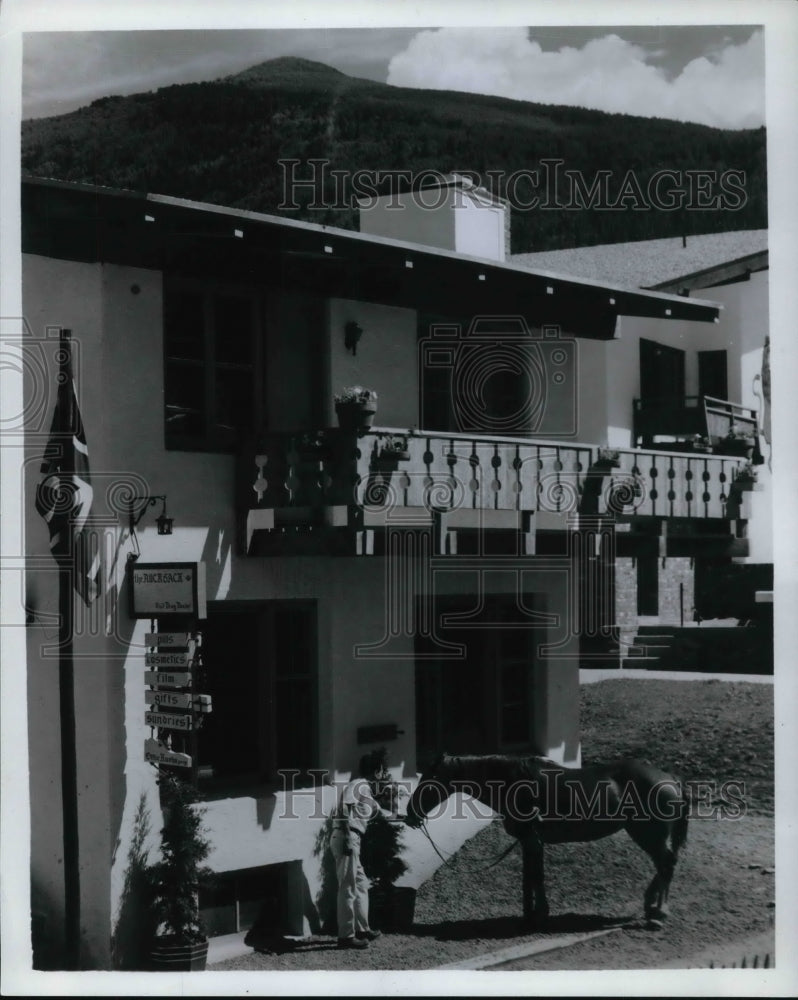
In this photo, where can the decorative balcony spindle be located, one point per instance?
(443, 473)
(666, 484)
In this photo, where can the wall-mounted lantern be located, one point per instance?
(163, 521)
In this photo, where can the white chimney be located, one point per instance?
(450, 212)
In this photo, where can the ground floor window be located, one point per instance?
(271, 897)
(259, 666)
(483, 702)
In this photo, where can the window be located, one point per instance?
(259, 666)
(661, 372)
(712, 374)
(483, 702)
(212, 363)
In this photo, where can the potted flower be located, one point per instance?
(700, 444)
(738, 441)
(394, 449)
(608, 457)
(355, 407)
(745, 477)
(181, 944)
(312, 447)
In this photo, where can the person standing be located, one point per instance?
(355, 807)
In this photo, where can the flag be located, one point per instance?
(64, 496)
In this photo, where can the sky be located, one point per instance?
(711, 74)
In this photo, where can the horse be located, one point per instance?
(541, 802)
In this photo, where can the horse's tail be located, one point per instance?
(679, 829)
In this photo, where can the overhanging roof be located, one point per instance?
(97, 224)
(673, 264)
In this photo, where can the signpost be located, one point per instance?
(157, 753)
(169, 720)
(169, 699)
(178, 679)
(166, 660)
(172, 640)
(174, 705)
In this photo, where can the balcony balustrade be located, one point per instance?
(686, 417)
(305, 482)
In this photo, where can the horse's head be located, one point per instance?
(433, 788)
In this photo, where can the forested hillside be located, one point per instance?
(221, 141)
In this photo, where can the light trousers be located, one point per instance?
(353, 886)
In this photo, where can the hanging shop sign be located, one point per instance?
(201, 704)
(167, 589)
(163, 661)
(168, 640)
(156, 753)
(169, 720)
(169, 699)
(168, 678)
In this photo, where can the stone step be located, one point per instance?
(640, 663)
(639, 649)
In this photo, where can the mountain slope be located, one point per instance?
(221, 141)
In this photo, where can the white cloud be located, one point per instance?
(724, 89)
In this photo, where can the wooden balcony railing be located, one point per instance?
(338, 479)
(683, 417)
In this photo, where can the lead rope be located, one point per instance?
(493, 863)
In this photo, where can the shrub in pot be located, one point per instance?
(181, 944)
(391, 907)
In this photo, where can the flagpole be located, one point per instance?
(66, 688)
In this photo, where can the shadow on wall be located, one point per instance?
(216, 554)
(327, 899)
(135, 926)
(46, 931)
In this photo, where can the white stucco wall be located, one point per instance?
(448, 218)
(740, 331)
(117, 330)
(479, 229)
(386, 359)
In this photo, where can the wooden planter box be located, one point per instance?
(391, 909)
(168, 957)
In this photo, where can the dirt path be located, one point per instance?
(717, 897)
(723, 889)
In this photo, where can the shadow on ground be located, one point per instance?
(490, 928)
(509, 927)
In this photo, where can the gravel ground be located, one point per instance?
(722, 893)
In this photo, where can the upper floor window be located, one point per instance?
(212, 364)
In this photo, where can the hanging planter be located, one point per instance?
(394, 449)
(745, 480)
(738, 443)
(355, 408)
(608, 458)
